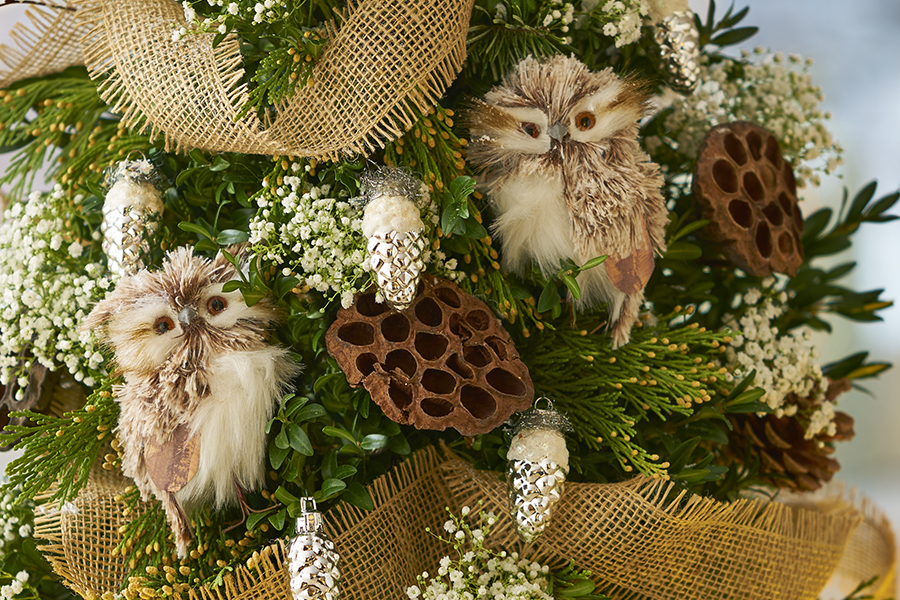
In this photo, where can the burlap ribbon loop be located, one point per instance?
(638, 538)
(387, 60)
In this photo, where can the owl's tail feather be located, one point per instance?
(621, 328)
(178, 523)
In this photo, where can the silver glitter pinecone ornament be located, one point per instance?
(679, 47)
(394, 227)
(312, 559)
(538, 465)
(131, 215)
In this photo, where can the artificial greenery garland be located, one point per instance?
(658, 406)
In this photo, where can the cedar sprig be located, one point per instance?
(667, 369)
(60, 451)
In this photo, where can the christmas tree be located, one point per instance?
(542, 265)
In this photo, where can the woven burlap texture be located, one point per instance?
(386, 60)
(50, 44)
(639, 539)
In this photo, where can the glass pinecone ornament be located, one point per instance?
(787, 459)
(132, 213)
(312, 559)
(679, 50)
(393, 225)
(538, 465)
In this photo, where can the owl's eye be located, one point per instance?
(216, 304)
(530, 129)
(163, 325)
(585, 120)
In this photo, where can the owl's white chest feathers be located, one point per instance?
(533, 222)
(245, 388)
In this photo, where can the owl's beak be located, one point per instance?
(558, 131)
(186, 315)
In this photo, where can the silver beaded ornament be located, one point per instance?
(679, 47)
(394, 228)
(132, 213)
(538, 464)
(312, 559)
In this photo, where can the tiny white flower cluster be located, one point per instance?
(480, 572)
(319, 238)
(785, 364)
(558, 15)
(769, 90)
(617, 19)
(11, 524)
(49, 284)
(253, 12)
(15, 587)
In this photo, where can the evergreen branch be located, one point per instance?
(60, 451)
(663, 371)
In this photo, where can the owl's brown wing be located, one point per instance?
(629, 274)
(173, 464)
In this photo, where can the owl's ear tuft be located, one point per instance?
(102, 314)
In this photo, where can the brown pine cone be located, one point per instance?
(786, 459)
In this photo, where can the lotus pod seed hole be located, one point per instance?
(400, 393)
(438, 382)
(772, 153)
(436, 407)
(477, 401)
(735, 149)
(741, 212)
(430, 346)
(478, 356)
(358, 334)
(478, 319)
(447, 296)
(402, 360)
(754, 143)
(785, 243)
(455, 364)
(753, 187)
(395, 328)
(774, 214)
(725, 176)
(429, 313)
(498, 346)
(764, 240)
(505, 382)
(365, 363)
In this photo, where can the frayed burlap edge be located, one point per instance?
(50, 44)
(384, 62)
(643, 539)
(640, 539)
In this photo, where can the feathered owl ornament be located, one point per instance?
(201, 382)
(566, 178)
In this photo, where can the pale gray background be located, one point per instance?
(856, 46)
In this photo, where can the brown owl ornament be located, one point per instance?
(201, 382)
(565, 174)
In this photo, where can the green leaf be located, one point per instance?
(254, 519)
(332, 487)
(228, 237)
(374, 441)
(728, 22)
(357, 495)
(284, 285)
(581, 588)
(861, 200)
(734, 36)
(339, 433)
(549, 297)
(281, 440)
(689, 228)
(277, 519)
(475, 230)
(683, 251)
(299, 440)
(277, 455)
(231, 286)
(285, 497)
(869, 370)
(309, 412)
(883, 205)
(194, 228)
(592, 263)
(462, 187)
(344, 471)
(219, 164)
(399, 445)
(681, 454)
(197, 156)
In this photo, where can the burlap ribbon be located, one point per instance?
(638, 538)
(388, 60)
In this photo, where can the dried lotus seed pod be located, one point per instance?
(444, 362)
(747, 191)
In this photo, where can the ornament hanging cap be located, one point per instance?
(388, 181)
(137, 171)
(310, 519)
(540, 418)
